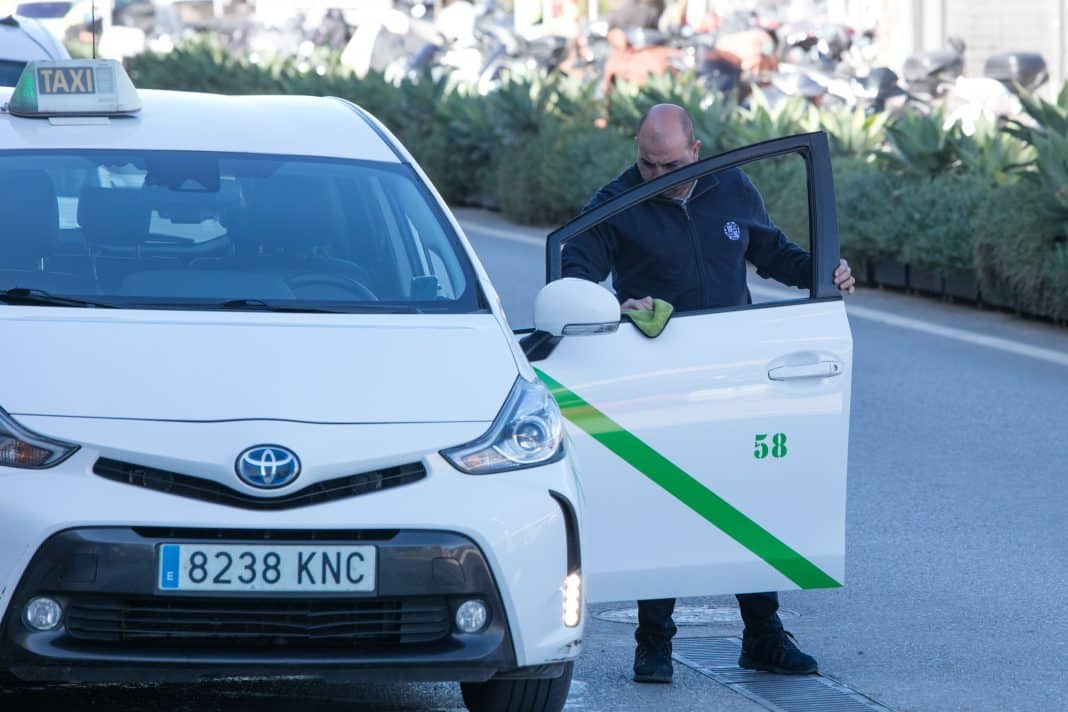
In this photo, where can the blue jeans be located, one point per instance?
(759, 613)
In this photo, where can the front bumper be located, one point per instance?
(117, 626)
(513, 526)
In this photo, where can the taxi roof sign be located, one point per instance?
(74, 87)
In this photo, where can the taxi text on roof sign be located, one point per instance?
(83, 87)
(66, 80)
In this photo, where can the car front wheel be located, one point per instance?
(532, 695)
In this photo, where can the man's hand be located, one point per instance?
(643, 304)
(843, 277)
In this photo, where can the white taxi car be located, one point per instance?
(261, 412)
(23, 39)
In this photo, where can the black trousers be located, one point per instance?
(760, 613)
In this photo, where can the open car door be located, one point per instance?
(712, 458)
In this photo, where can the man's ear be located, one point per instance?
(697, 148)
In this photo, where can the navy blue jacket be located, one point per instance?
(691, 255)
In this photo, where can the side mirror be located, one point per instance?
(572, 307)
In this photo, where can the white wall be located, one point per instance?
(987, 27)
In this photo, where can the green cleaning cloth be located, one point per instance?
(651, 323)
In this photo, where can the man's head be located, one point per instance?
(665, 142)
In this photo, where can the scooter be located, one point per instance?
(878, 90)
(929, 75)
(1018, 71)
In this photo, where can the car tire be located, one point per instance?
(531, 695)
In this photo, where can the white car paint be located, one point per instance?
(285, 125)
(521, 535)
(24, 39)
(332, 376)
(700, 393)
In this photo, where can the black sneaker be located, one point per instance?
(652, 662)
(776, 652)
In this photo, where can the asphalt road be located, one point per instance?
(957, 517)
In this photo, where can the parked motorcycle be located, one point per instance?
(878, 89)
(1018, 71)
(928, 75)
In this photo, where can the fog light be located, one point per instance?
(572, 600)
(471, 616)
(43, 613)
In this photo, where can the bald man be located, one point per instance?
(688, 246)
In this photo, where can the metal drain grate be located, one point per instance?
(718, 659)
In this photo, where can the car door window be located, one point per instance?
(755, 206)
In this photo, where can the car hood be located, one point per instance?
(201, 366)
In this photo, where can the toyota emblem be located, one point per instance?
(268, 466)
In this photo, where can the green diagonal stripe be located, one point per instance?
(687, 490)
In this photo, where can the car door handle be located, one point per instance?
(820, 369)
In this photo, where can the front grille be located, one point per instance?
(210, 491)
(249, 624)
(207, 535)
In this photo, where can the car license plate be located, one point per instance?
(266, 568)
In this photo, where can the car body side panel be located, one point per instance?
(690, 405)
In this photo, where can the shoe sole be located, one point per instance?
(655, 679)
(748, 664)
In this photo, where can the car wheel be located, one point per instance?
(535, 695)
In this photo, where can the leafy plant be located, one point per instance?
(548, 179)
(867, 197)
(854, 133)
(920, 146)
(1019, 245)
(996, 156)
(935, 219)
(761, 122)
(712, 114)
(1045, 117)
(1056, 302)
(521, 106)
(1052, 174)
(783, 184)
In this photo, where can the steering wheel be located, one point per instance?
(335, 280)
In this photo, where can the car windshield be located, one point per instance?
(10, 72)
(173, 229)
(43, 10)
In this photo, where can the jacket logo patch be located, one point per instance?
(732, 231)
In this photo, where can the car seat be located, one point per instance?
(29, 219)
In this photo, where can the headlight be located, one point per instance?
(528, 432)
(21, 448)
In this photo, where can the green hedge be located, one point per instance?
(993, 205)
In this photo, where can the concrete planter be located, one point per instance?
(962, 284)
(865, 272)
(997, 294)
(925, 281)
(890, 273)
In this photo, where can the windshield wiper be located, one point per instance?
(38, 297)
(260, 305)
